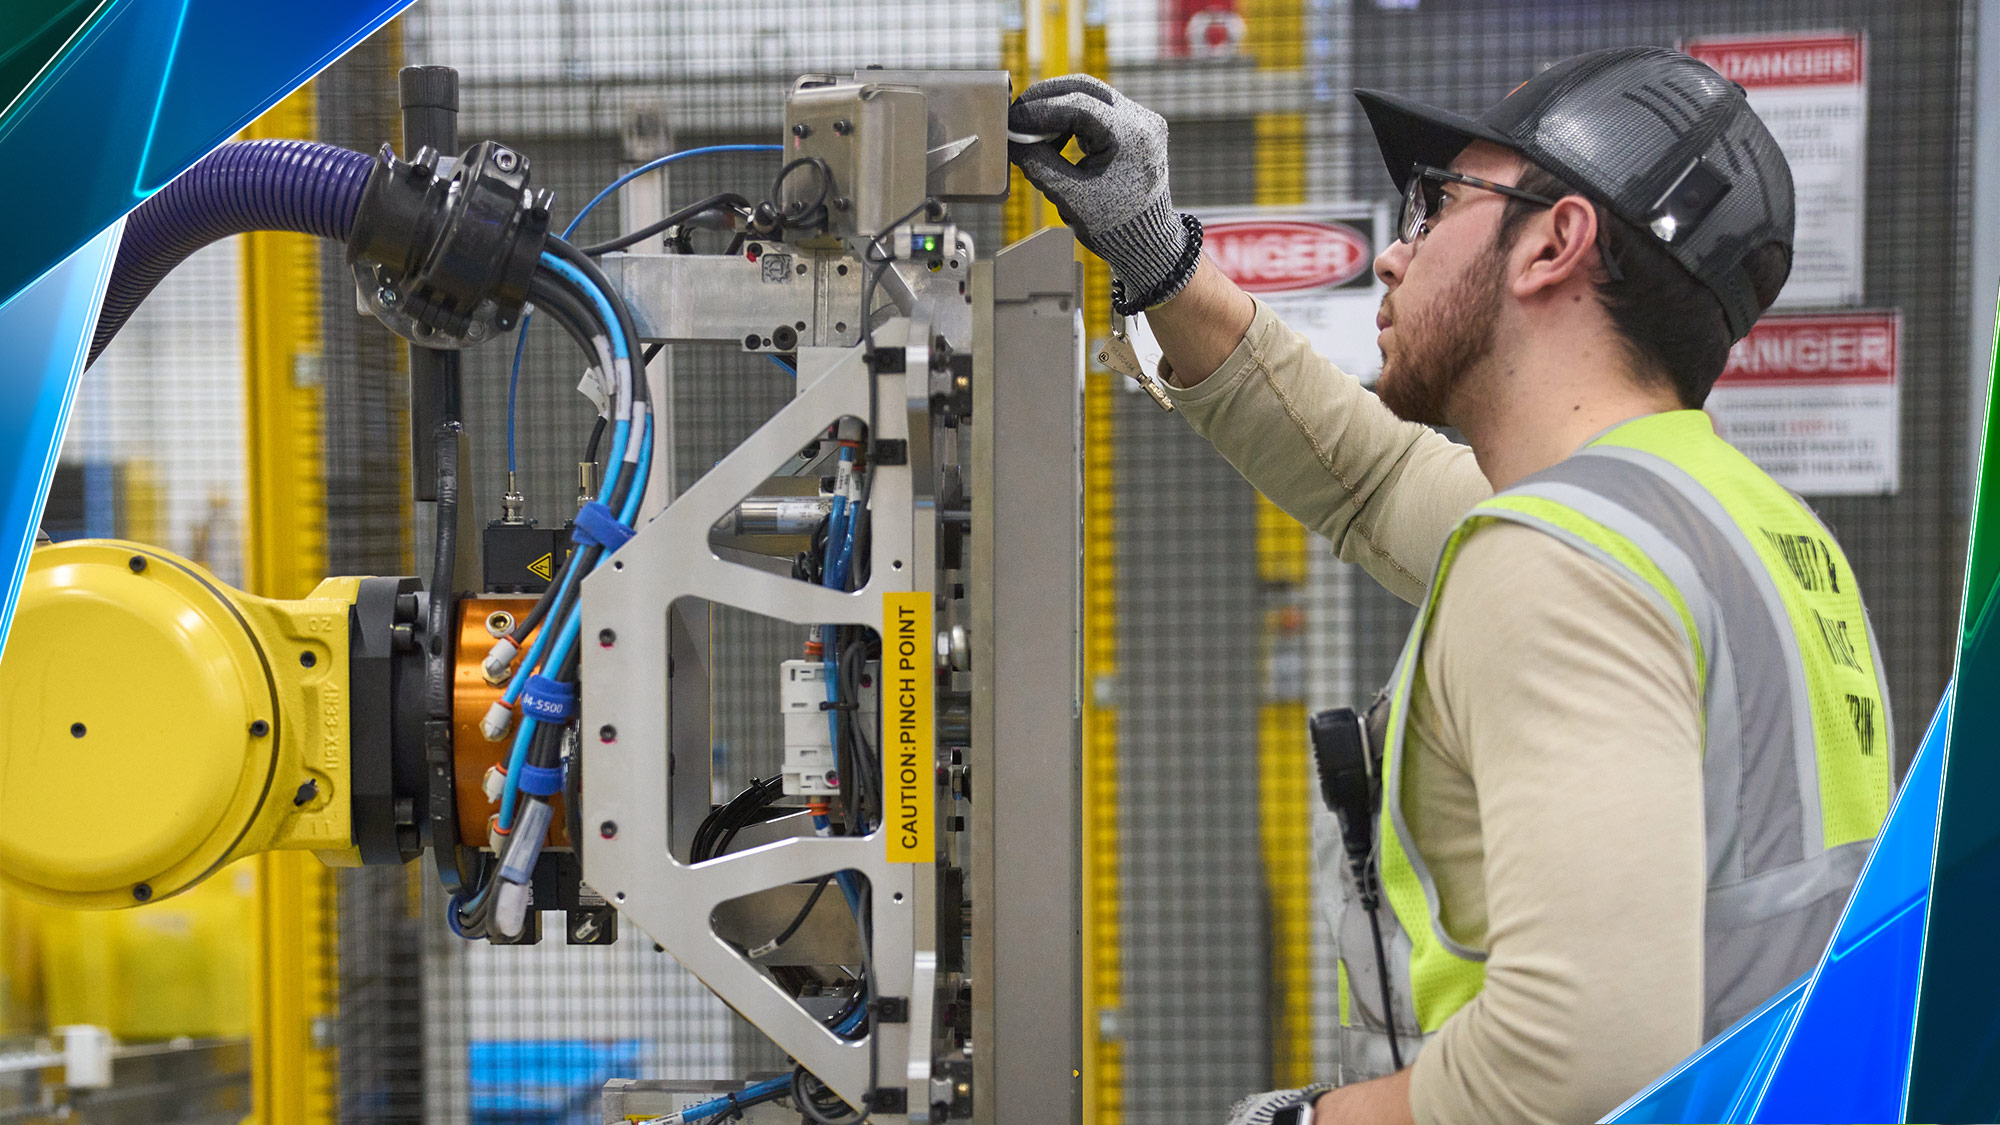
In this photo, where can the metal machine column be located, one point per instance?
(1026, 736)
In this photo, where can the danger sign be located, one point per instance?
(1811, 90)
(1813, 400)
(1287, 256)
(1764, 63)
(1315, 267)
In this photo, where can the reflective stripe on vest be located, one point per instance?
(1796, 744)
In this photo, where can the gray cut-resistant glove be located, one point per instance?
(1115, 198)
(1278, 1107)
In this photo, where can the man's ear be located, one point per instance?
(1554, 246)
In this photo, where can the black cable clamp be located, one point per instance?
(447, 260)
(889, 451)
(889, 1099)
(839, 705)
(890, 1009)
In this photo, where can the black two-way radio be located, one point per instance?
(1350, 782)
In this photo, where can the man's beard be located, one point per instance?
(1436, 348)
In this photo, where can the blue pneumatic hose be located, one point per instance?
(514, 376)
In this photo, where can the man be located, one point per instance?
(1638, 742)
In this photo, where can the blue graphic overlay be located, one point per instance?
(1835, 1046)
(44, 333)
(1955, 1059)
(148, 89)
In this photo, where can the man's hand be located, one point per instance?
(1278, 1107)
(1115, 198)
(1381, 1101)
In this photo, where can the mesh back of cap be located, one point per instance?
(1626, 137)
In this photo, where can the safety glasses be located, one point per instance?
(1424, 198)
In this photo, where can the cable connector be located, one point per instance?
(498, 667)
(498, 719)
(494, 783)
(512, 502)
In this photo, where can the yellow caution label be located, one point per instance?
(909, 748)
(543, 567)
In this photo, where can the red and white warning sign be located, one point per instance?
(1287, 255)
(1811, 89)
(1313, 266)
(1813, 399)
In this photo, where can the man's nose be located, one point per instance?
(1391, 262)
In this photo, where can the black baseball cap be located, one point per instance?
(1659, 138)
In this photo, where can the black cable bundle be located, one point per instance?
(801, 215)
(580, 318)
(720, 826)
(862, 796)
(728, 202)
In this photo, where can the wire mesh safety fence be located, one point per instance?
(589, 91)
(1256, 93)
(154, 448)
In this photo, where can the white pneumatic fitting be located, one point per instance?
(498, 719)
(494, 782)
(498, 667)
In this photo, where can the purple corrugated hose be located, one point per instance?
(299, 186)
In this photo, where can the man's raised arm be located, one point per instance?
(1305, 434)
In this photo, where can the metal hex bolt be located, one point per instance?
(607, 638)
(137, 563)
(142, 893)
(608, 829)
(607, 733)
(259, 728)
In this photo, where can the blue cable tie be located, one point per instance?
(551, 701)
(598, 525)
(542, 781)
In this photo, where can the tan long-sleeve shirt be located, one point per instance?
(1553, 758)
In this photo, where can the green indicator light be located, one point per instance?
(930, 242)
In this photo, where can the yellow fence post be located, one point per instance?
(296, 984)
(1275, 40)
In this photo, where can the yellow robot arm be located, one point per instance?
(156, 724)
